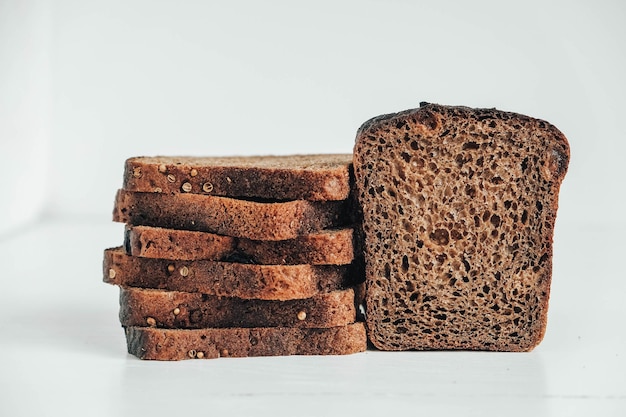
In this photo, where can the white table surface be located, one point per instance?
(62, 351)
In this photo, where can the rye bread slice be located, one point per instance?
(182, 245)
(177, 344)
(288, 177)
(184, 310)
(459, 206)
(230, 279)
(327, 247)
(229, 216)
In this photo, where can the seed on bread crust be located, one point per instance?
(162, 168)
(301, 315)
(207, 187)
(184, 271)
(171, 178)
(151, 321)
(112, 273)
(186, 187)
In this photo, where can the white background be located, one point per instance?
(86, 84)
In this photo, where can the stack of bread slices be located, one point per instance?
(447, 214)
(237, 256)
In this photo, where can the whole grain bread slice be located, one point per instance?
(228, 216)
(326, 247)
(231, 279)
(183, 245)
(286, 177)
(184, 310)
(179, 344)
(459, 206)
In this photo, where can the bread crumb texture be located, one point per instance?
(459, 206)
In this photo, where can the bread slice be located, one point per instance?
(289, 177)
(228, 216)
(184, 310)
(177, 344)
(459, 206)
(183, 245)
(327, 247)
(231, 279)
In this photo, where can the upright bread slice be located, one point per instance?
(326, 247)
(183, 310)
(290, 177)
(177, 344)
(228, 216)
(231, 279)
(459, 206)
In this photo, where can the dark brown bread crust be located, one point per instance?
(228, 216)
(170, 345)
(327, 247)
(459, 207)
(183, 310)
(268, 282)
(290, 177)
